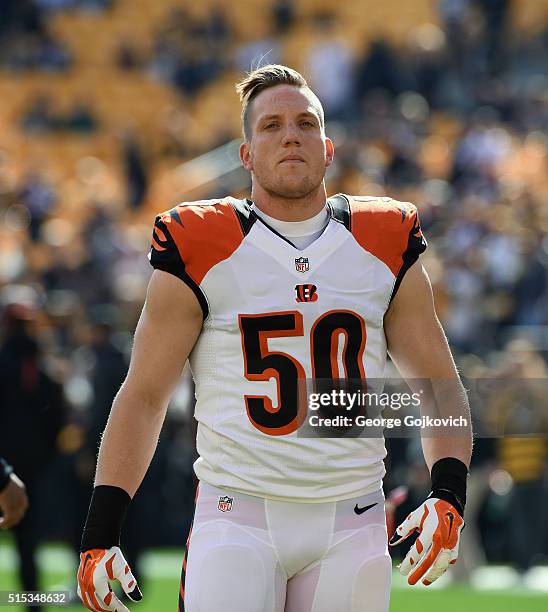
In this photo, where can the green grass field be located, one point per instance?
(161, 589)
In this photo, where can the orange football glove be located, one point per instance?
(439, 525)
(97, 567)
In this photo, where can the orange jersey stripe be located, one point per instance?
(157, 245)
(161, 234)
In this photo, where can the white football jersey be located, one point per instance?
(274, 316)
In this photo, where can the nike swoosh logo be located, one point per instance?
(451, 518)
(364, 509)
(87, 558)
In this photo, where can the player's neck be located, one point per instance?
(289, 209)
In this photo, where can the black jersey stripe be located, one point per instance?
(244, 213)
(416, 244)
(340, 209)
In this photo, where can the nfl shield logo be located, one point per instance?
(225, 503)
(301, 264)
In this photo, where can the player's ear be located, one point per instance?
(329, 152)
(245, 156)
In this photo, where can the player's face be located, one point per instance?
(288, 152)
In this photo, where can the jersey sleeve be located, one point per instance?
(191, 239)
(414, 243)
(166, 255)
(389, 230)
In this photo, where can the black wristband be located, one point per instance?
(106, 515)
(449, 482)
(5, 472)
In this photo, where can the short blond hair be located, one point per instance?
(263, 78)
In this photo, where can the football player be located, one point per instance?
(261, 294)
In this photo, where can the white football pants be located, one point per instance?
(250, 554)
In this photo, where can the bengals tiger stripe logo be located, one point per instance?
(306, 293)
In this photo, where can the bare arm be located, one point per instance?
(419, 349)
(168, 328)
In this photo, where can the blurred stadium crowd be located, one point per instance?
(441, 103)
